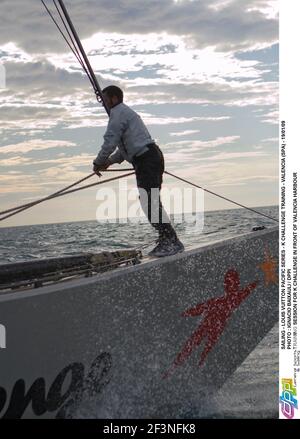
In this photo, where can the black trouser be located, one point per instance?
(149, 169)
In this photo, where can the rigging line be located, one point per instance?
(61, 32)
(32, 203)
(75, 46)
(118, 170)
(62, 190)
(97, 88)
(94, 184)
(68, 43)
(67, 192)
(220, 196)
(86, 60)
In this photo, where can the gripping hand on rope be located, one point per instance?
(103, 167)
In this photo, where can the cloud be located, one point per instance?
(185, 151)
(271, 117)
(233, 25)
(34, 118)
(40, 96)
(196, 145)
(74, 161)
(35, 145)
(271, 140)
(184, 133)
(213, 173)
(43, 93)
(42, 79)
(14, 161)
(236, 155)
(180, 62)
(18, 184)
(150, 119)
(231, 93)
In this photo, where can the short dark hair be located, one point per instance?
(113, 90)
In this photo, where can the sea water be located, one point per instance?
(25, 243)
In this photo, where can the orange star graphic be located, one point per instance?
(269, 269)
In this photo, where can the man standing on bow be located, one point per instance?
(127, 133)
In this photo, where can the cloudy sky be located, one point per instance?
(203, 74)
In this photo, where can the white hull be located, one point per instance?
(114, 337)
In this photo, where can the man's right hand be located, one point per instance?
(98, 168)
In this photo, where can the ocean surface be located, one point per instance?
(252, 391)
(25, 243)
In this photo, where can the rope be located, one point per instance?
(87, 64)
(32, 203)
(63, 35)
(220, 196)
(70, 36)
(92, 184)
(62, 190)
(73, 48)
(67, 190)
(61, 193)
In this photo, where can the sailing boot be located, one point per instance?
(167, 246)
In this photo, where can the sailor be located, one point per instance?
(127, 138)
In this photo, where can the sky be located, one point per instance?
(203, 74)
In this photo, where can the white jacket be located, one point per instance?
(125, 131)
